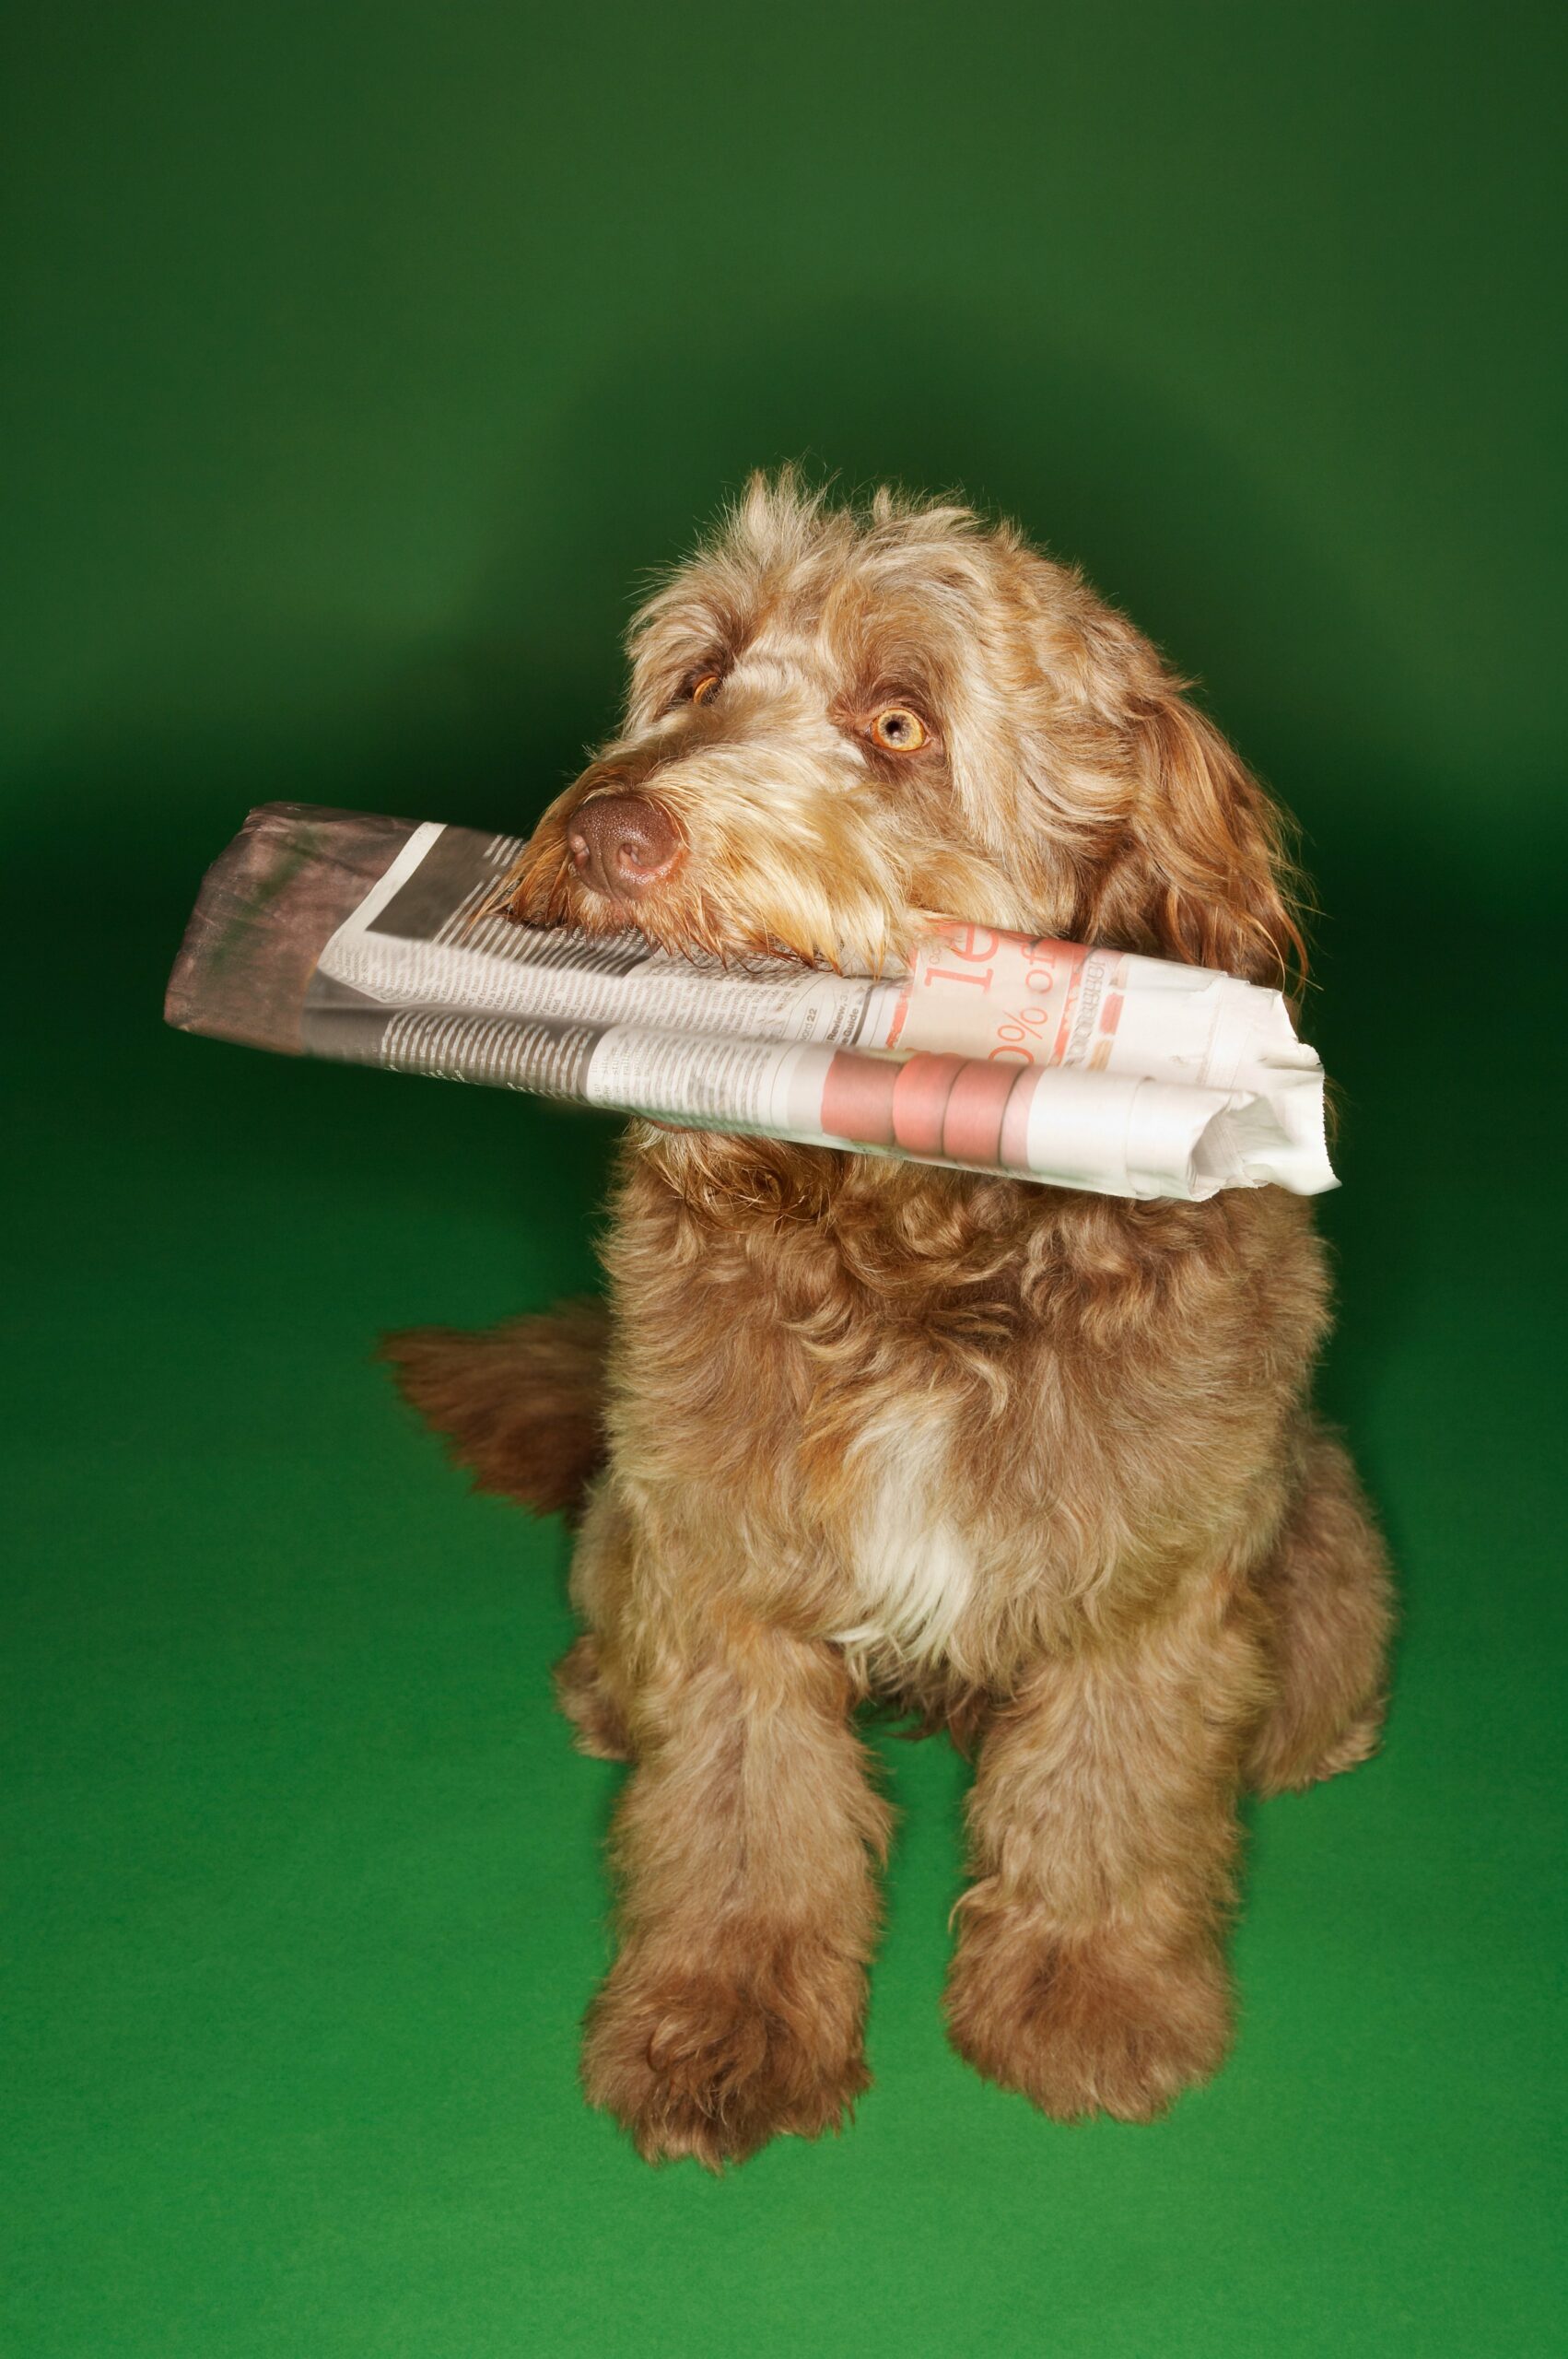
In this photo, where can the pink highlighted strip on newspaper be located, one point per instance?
(336, 935)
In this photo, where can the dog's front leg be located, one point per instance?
(745, 1841)
(1089, 1972)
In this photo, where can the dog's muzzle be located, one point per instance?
(622, 845)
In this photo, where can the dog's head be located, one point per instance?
(841, 723)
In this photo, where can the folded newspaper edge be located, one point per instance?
(335, 934)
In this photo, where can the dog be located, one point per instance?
(1035, 1466)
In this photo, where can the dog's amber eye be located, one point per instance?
(899, 730)
(707, 686)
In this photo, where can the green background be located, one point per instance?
(356, 361)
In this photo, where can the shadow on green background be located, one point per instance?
(359, 360)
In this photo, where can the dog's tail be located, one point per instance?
(521, 1405)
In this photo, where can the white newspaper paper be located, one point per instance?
(1080, 1067)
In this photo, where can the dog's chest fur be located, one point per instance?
(903, 1539)
(930, 1413)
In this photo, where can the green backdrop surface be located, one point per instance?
(356, 361)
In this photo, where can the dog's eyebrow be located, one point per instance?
(717, 648)
(896, 675)
(726, 633)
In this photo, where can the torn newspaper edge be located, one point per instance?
(333, 933)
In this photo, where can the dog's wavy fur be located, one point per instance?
(1037, 1464)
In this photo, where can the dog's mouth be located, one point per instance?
(619, 864)
(683, 926)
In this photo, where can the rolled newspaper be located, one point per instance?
(332, 933)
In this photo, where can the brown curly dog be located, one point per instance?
(1036, 1466)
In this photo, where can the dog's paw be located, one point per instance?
(1283, 1763)
(700, 2065)
(585, 1698)
(1084, 2028)
(1351, 1748)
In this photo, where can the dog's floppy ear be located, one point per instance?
(1200, 868)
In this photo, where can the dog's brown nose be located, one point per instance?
(622, 845)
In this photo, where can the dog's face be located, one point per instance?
(842, 724)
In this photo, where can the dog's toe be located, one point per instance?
(1082, 2031)
(1286, 1762)
(699, 2066)
(585, 1697)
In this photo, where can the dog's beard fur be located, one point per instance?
(1067, 787)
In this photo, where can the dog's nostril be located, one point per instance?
(622, 844)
